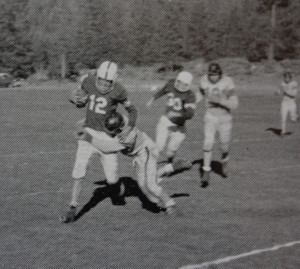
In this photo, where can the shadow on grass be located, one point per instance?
(129, 188)
(277, 131)
(216, 167)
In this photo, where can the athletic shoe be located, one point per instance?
(204, 180)
(70, 215)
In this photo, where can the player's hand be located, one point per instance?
(78, 99)
(173, 114)
(125, 133)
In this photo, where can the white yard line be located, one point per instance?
(37, 153)
(243, 255)
(33, 194)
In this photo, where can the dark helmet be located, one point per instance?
(114, 123)
(287, 74)
(214, 69)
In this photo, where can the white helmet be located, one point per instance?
(106, 75)
(183, 81)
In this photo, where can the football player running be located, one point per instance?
(288, 105)
(181, 104)
(100, 94)
(145, 153)
(219, 93)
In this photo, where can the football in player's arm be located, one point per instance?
(218, 90)
(181, 104)
(100, 94)
(288, 90)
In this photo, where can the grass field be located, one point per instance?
(255, 209)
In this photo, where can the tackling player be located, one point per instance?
(170, 130)
(288, 105)
(144, 151)
(100, 94)
(219, 93)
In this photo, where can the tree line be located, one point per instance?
(62, 35)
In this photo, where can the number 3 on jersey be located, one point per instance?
(97, 104)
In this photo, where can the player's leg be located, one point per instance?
(176, 139)
(177, 166)
(293, 111)
(83, 155)
(162, 132)
(210, 125)
(110, 167)
(152, 185)
(224, 130)
(139, 163)
(284, 113)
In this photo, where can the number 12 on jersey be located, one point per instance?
(97, 104)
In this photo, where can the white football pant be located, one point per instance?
(84, 153)
(217, 124)
(163, 133)
(145, 164)
(288, 107)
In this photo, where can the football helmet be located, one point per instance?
(183, 81)
(214, 72)
(114, 123)
(106, 76)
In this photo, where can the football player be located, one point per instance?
(288, 105)
(100, 93)
(219, 93)
(144, 151)
(181, 104)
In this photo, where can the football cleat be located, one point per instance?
(171, 210)
(204, 180)
(70, 215)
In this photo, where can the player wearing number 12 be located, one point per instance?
(170, 130)
(100, 94)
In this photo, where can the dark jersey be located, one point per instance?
(99, 105)
(178, 102)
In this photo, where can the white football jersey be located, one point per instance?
(290, 88)
(224, 87)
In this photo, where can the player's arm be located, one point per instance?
(199, 94)
(132, 117)
(230, 101)
(161, 92)
(189, 107)
(79, 97)
(132, 113)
